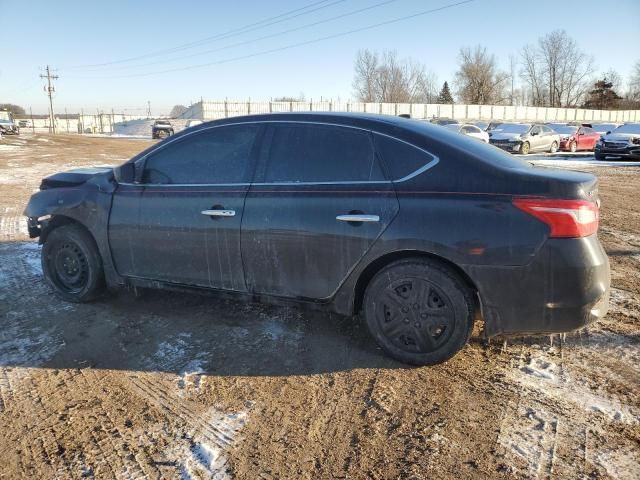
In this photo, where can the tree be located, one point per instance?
(478, 79)
(387, 78)
(10, 107)
(634, 83)
(177, 111)
(556, 71)
(603, 96)
(299, 98)
(445, 94)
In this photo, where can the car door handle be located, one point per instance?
(219, 213)
(358, 218)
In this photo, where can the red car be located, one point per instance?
(575, 137)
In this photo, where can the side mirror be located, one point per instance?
(608, 132)
(533, 134)
(126, 173)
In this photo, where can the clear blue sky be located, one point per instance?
(66, 34)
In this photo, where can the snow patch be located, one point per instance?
(546, 377)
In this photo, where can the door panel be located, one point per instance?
(182, 223)
(293, 243)
(176, 242)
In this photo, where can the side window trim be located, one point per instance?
(261, 148)
(430, 164)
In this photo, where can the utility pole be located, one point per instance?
(50, 89)
(148, 108)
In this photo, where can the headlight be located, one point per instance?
(564, 139)
(635, 140)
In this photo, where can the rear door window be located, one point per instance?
(401, 158)
(315, 153)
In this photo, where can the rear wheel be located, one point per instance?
(419, 312)
(573, 147)
(72, 265)
(554, 147)
(525, 148)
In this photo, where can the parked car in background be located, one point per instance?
(482, 125)
(574, 138)
(604, 128)
(161, 129)
(525, 138)
(623, 142)
(9, 127)
(444, 121)
(469, 130)
(351, 213)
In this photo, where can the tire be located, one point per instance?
(573, 147)
(554, 147)
(419, 312)
(72, 265)
(525, 148)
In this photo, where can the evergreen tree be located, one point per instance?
(445, 94)
(603, 96)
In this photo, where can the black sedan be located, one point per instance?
(419, 229)
(623, 142)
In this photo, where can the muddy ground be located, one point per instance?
(188, 386)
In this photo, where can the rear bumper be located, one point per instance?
(563, 288)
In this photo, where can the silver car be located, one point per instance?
(525, 138)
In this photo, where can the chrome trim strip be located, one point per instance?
(358, 218)
(219, 213)
(435, 160)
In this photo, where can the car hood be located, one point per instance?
(505, 136)
(620, 137)
(73, 178)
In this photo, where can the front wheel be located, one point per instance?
(573, 147)
(419, 312)
(72, 265)
(554, 147)
(525, 148)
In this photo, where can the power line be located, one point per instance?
(265, 37)
(295, 45)
(50, 89)
(221, 36)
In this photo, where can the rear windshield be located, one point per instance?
(487, 153)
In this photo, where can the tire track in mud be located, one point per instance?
(205, 438)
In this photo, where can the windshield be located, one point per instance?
(628, 128)
(567, 129)
(605, 127)
(513, 128)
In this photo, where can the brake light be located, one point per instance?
(566, 218)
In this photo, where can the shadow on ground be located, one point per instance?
(168, 331)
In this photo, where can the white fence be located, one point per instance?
(211, 110)
(83, 123)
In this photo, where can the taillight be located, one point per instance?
(566, 218)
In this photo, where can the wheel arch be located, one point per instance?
(381, 262)
(57, 221)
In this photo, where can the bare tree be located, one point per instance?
(556, 71)
(634, 83)
(478, 79)
(387, 78)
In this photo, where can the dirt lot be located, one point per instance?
(188, 386)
